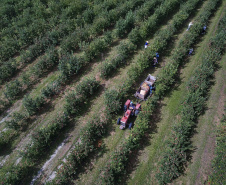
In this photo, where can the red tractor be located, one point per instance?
(130, 110)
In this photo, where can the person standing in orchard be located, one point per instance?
(157, 55)
(146, 45)
(190, 51)
(190, 24)
(155, 61)
(204, 29)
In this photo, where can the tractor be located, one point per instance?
(130, 110)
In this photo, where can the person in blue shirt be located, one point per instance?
(157, 55)
(190, 51)
(204, 29)
(146, 45)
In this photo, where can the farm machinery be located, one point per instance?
(144, 91)
(130, 111)
(146, 88)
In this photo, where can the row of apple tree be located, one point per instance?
(69, 65)
(136, 36)
(114, 169)
(15, 88)
(66, 109)
(179, 145)
(43, 138)
(35, 22)
(11, 11)
(42, 44)
(92, 133)
(72, 33)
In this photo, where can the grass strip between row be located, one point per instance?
(15, 88)
(115, 167)
(179, 144)
(69, 65)
(43, 138)
(81, 151)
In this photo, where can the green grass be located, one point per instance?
(205, 131)
(93, 174)
(117, 135)
(144, 174)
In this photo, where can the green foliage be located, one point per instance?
(6, 137)
(124, 50)
(88, 15)
(7, 70)
(69, 65)
(51, 89)
(72, 41)
(175, 157)
(87, 87)
(17, 121)
(46, 63)
(98, 46)
(26, 79)
(94, 129)
(33, 105)
(134, 36)
(33, 51)
(13, 89)
(75, 99)
(112, 101)
(113, 170)
(14, 174)
(125, 25)
(219, 165)
(44, 137)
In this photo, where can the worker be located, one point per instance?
(190, 51)
(204, 29)
(152, 88)
(155, 61)
(157, 55)
(125, 108)
(189, 25)
(132, 107)
(146, 45)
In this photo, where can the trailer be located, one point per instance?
(146, 88)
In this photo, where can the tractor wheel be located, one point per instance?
(118, 122)
(137, 112)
